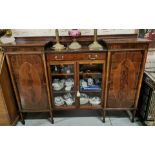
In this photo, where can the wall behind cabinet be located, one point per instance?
(64, 32)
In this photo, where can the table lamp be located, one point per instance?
(58, 46)
(95, 45)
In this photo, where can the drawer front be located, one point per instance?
(76, 56)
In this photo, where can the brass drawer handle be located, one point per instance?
(93, 58)
(61, 58)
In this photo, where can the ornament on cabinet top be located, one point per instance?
(58, 46)
(74, 33)
(95, 45)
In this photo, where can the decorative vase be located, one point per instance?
(74, 33)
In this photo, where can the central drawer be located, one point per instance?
(75, 56)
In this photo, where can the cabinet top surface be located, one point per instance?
(41, 41)
(112, 43)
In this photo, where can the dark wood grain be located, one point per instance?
(8, 106)
(124, 76)
(29, 76)
(75, 56)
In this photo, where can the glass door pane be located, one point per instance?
(63, 85)
(91, 84)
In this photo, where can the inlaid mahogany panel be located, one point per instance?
(124, 76)
(28, 71)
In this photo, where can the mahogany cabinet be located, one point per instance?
(8, 107)
(114, 75)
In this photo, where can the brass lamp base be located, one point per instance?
(74, 45)
(58, 47)
(95, 46)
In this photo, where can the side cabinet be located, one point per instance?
(125, 69)
(8, 107)
(28, 72)
(29, 78)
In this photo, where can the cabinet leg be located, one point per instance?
(51, 115)
(22, 118)
(103, 114)
(133, 116)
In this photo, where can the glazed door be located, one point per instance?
(91, 79)
(29, 77)
(124, 77)
(63, 84)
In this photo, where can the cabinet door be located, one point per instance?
(124, 77)
(91, 77)
(29, 75)
(63, 84)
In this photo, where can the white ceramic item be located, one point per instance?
(95, 100)
(84, 98)
(58, 101)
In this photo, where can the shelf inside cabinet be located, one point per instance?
(63, 91)
(62, 74)
(89, 106)
(90, 91)
(90, 73)
(65, 107)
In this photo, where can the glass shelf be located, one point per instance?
(63, 91)
(90, 73)
(62, 74)
(90, 91)
(90, 85)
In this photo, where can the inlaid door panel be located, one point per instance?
(29, 75)
(124, 76)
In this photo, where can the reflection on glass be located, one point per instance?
(63, 85)
(90, 76)
(62, 69)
